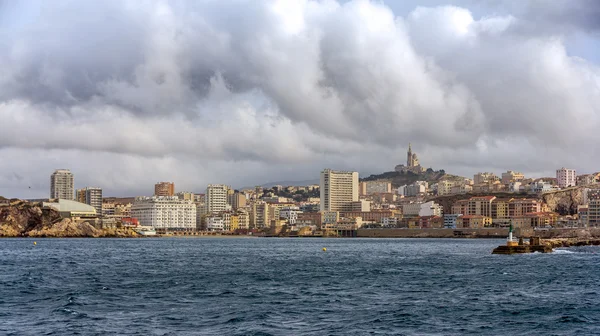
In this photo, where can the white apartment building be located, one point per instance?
(61, 185)
(422, 209)
(290, 213)
(566, 177)
(215, 223)
(164, 212)
(338, 190)
(216, 198)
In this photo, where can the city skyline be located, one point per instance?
(287, 89)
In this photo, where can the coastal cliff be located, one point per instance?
(24, 219)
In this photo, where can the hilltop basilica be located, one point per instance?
(412, 163)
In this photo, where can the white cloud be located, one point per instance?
(202, 92)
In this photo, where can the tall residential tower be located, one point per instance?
(61, 185)
(338, 190)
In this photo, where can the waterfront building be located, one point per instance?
(431, 222)
(259, 215)
(330, 217)
(290, 213)
(389, 221)
(61, 185)
(164, 189)
(309, 219)
(474, 221)
(72, 209)
(376, 216)
(243, 219)
(582, 215)
(216, 198)
(481, 206)
(338, 190)
(593, 212)
(422, 209)
(451, 221)
(566, 177)
(215, 223)
(164, 212)
(91, 196)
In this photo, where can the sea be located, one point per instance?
(292, 286)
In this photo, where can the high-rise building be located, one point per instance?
(259, 215)
(566, 177)
(61, 185)
(164, 212)
(164, 189)
(338, 190)
(216, 198)
(91, 196)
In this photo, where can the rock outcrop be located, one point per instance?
(24, 219)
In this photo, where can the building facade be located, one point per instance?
(164, 212)
(338, 190)
(216, 198)
(91, 196)
(164, 189)
(375, 187)
(61, 185)
(566, 177)
(512, 176)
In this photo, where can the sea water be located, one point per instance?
(276, 286)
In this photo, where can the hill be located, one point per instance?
(404, 178)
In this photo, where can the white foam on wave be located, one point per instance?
(563, 252)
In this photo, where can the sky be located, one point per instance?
(245, 92)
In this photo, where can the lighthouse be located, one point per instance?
(509, 240)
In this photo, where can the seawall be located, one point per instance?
(478, 233)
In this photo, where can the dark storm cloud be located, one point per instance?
(201, 90)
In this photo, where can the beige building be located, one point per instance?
(186, 196)
(91, 196)
(259, 215)
(512, 176)
(61, 185)
(338, 190)
(164, 189)
(375, 187)
(236, 200)
(481, 178)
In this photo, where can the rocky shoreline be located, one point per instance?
(570, 242)
(25, 219)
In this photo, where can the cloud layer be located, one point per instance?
(126, 93)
